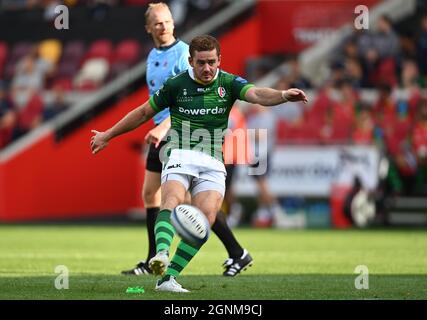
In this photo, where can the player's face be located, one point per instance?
(205, 65)
(160, 26)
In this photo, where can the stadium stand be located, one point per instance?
(78, 63)
(372, 90)
(65, 129)
(385, 62)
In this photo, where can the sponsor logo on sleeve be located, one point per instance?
(241, 80)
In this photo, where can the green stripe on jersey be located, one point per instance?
(244, 90)
(153, 105)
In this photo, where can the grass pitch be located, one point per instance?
(309, 264)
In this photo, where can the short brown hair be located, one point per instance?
(204, 43)
(152, 6)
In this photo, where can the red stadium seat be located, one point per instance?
(126, 54)
(402, 127)
(102, 48)
(65, 84)
(74, 49)
(387, 72)
(21, 49)
(4, 49)
(341, 130)
(282, 131)
(18, 51)
(297, 133)
(127, 51)
(70, 61)
(68, 68)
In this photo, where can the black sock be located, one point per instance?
(223, 232)
(151, 220)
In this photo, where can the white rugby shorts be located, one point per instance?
(196, 170)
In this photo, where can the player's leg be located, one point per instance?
(152, 197)
(173, 189)
(173, 194)
(265, 196)
(226, 236)
(151, 193)
(268, 206)
(207, 195)
(231, 208)
(238, 258)
(209, 203)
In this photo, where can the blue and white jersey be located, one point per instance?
(163, 63)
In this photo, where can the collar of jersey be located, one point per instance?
(191, 74)
(169, 46)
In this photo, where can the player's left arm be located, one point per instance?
(272, 97)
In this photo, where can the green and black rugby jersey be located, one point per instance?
(199, 113)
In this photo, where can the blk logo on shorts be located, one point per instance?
(178, 165)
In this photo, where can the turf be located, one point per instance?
(309, 264)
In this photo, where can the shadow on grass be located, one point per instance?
(246, 287)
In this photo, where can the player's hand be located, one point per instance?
(295, 95)
(98, 141)
(156, 135)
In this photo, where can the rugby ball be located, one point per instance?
(191, 224)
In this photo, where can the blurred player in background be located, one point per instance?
(268, 206)
(200, 98)
(232, 157)
(167, 59)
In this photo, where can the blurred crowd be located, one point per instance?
(394, 117)
(393, 66)
(21, 105)
(99, 8)
(37, 77)
(28, 4)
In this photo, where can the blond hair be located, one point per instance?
(153, 6)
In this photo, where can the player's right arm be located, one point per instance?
(131, 121)
(246, 91)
